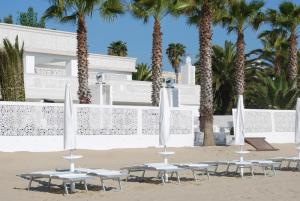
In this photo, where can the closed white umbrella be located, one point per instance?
(70, 128)
(164, 118)
(69, 121)
(240, 129)
(297, 126)
(239, 123)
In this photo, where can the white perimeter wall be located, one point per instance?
(277, 126)
(39, 127)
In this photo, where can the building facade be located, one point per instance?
(50, 61)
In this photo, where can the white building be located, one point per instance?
(50, 61)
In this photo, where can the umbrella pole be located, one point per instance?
(72, 163)
(241, 153)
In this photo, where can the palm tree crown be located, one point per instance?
(175, 52)
(143, 72)
(117, 48)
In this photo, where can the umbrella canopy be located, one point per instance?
(164, 118)
(239, 122)
(297, 126)
(69, 121)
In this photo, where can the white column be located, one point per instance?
(29, 63)
(188, 72)
(71, 68)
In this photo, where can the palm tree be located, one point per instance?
(11, 71)
(223, 73)
(288, 17)
(271, 93)
(157, 10)
(202, 13)
(274, 51)
(76, 11)
(143, 72)
(117, 48)
(175, 52)
(237, 17)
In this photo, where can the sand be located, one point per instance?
(284, 186)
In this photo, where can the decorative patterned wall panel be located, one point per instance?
(106, 121)
(30, 120)
(258, 121)
(181, 122)
(284, 121)
(48, 120)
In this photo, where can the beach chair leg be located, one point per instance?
(49, 184)
(194, 175)
(143, 174)
(216, 169)
(159, 174)
(265, 171)
(252, 172)
(298, 165)
(289, 164)
(274, 171)
(178, 178)
(171, 174)
(85, 186)
(280, 166)
(207, 173)
(29, 185)
(102, 184)
(163, 178)
(66, 188)
(227, 169)
(120, 185)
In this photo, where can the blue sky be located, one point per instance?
(137, 34)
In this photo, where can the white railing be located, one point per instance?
(39, 127)
(126, 92)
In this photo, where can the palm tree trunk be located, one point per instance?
(176, 74)
(206, 107)
(82, 56)
(240, 64)
(277, 67)
(293, 66)
(156, 62)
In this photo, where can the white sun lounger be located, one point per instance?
(197, 167)
(105, 174)
(239, 165)
(289, 160)
(66, 177)
(266, 165)
(161, 168)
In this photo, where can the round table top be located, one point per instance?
(71, 157)
(242, 152)
(166, 153)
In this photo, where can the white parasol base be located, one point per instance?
(72, 158)
(165, 155)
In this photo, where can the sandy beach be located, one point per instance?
(283, 186)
